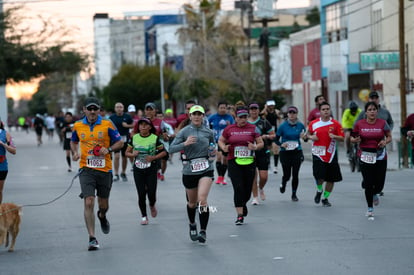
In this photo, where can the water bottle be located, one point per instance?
(211, 152)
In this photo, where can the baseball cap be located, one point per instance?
(144, 119)
(373, 94)
(196, 108)
(242, 112)
(292, 108)
(92, 101)
(131, 108)
(253, 105)
(168, 111)
(270, 103)
(150, 105)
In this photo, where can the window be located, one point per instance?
(336, 27)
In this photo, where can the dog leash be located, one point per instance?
(49, 202)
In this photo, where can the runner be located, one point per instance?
(217, 123)
(6, 145)
(240, 141)
(348, 118)
(325, 132)
(123, 123)
(372, 134)
(96, 138)
(198, 172)
(146, 148)
(66, 130)
(288, 138)
(267, 133)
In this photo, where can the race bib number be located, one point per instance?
(318, 150)
(291, 145)
(368, 157)
(142, 164)
(242, 152)
(198, 165)
(68, 135)
(95, 162)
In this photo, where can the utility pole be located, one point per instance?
(3, 98)
(403, 86)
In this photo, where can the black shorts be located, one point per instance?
(3, 175)
(91, 180)
(262, 160)
(66, 144)
(122, 150)
(191, 181)
(330, 172)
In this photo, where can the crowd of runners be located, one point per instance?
(240, 142)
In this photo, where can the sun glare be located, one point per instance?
(22, 90)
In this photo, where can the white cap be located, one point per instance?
(131, 108)
(270, 103)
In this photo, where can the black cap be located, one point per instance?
(373, 94)
(92, 101)
(150, 105)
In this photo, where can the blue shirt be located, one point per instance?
(289, 132)
(218, 123)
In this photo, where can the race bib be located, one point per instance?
(199, 164)
(142, 163)
(318, 150)
(242, 152)
(95, 162)
(68, 135)
(291, 145)
(368, 157)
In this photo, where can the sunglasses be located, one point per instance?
(92, 108)
(292, 112)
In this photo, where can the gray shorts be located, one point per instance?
(91, 180)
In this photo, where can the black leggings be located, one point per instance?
(146, 184)
(374, 178)
(291, 162)
(242, 180)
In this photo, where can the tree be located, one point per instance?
(27, 52)
(216, 58)
(313, 16)
(138, 85)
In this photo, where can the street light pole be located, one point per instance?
(403, 102)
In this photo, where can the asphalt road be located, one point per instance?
(279, 236)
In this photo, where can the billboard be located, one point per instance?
(382, 60)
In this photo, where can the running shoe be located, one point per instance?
(370, 214)
(116, 178)
(193, 232)
(104, 224)
(282, 187)
(245, 211)
(255, 201)
(202, 236)
(326, 203)
(294, 197)
(69, 169)
(144, 220)
(275, 170)
(154, 211)
(375, 200)
(124, 177)
(318, 197)
(223, 181)
(240, 220)
(162, 178)
(219, 180)
(158, 175)
(262, 194)
(93, 245)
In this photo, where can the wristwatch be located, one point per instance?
(109, 149)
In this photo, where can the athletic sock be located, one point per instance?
(204, 215)
(191, 212)
(276, 159)
(218, 167)
(68, 161)
(326, 194)
(320, 187)
(223, 169)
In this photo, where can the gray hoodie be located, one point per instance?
(194, 151)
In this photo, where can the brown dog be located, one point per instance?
(9, 223)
